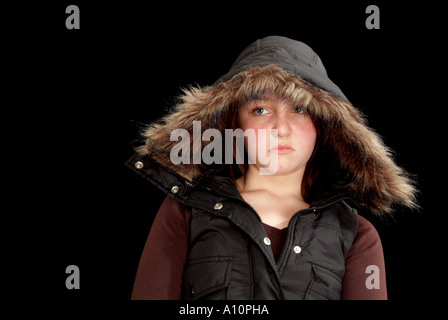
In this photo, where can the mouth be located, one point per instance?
(282, 149)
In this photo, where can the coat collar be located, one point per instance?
(211, 181)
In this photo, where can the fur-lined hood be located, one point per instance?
(349, 154)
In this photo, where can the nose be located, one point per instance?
(282, 125)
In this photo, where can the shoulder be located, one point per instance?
(366, 237)
(173, 205)
(173, 215)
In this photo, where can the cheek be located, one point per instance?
(247, 122)
(306, 136)
(250, 125)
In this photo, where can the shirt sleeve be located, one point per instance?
(365, 276)
(160, 270)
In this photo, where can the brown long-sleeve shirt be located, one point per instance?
(160, 271)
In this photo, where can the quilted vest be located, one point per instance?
(230, 255)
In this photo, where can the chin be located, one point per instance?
(282, 168)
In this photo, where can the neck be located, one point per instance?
(279, 185)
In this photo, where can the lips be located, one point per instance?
(282, 149)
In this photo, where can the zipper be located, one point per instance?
(246, 203)
(293, 221)
(289, 232)
(273, 265)
(228, 196)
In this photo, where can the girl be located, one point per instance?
(229, 231)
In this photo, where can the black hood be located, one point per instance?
(288, 54)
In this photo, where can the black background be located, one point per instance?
(81, 97)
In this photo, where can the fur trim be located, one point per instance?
(371, 175)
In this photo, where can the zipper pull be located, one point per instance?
(189, 184)
(316, 221)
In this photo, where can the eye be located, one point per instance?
(299, 110)
(260, 111)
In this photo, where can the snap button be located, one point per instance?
(267, 241)
(218, 205)
(297, 249)
(174, 189)
(138, 164)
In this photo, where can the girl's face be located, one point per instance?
(292, 141)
